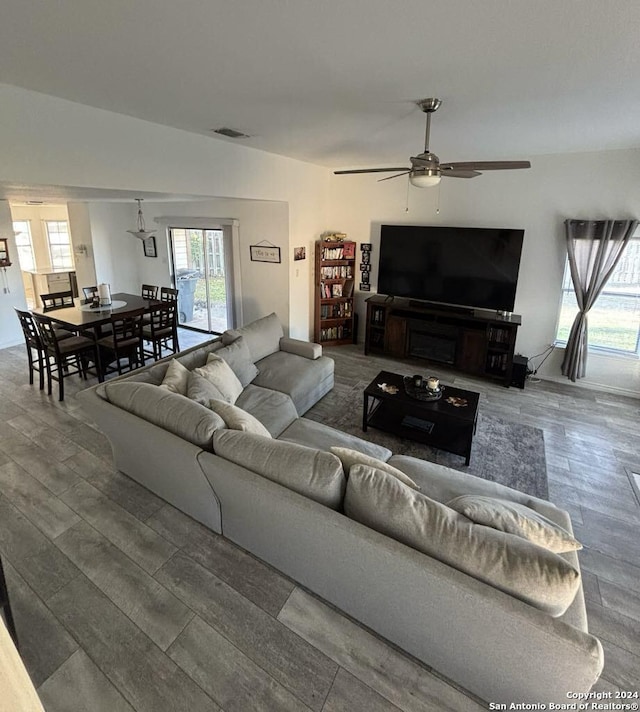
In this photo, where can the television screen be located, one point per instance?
(462, 266)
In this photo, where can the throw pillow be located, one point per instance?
(238, 419)
(350, 457)
(176, 378)
(516, 519)
(261, 336)
(201, 390)
(219, 372)
(514, 565)
(239, 359)
(312, 473)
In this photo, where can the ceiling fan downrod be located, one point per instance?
(428, 106)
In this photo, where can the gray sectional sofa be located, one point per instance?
(344, 528)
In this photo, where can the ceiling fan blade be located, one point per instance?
(371, 170)
(487, 165)
(397, 175)
(456, 173)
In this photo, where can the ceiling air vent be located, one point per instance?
(230, 133)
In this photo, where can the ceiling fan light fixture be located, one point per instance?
(141, 233)
(425, 179)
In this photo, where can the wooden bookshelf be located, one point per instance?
(335, 282)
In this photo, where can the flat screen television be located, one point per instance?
(460, 266)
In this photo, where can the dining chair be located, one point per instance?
(65, 357)
(162, 330)
(149, 291)
(56, 300)
(168, 294)
(35, 349)
(90, 293)
(124, 342)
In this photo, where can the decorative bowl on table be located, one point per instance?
(421, 392)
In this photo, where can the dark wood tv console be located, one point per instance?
(471, 340)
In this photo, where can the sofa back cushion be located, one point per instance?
(350, 457)
(261, 336)
(171, 411)
(315, 474)
(507, 562)
(237, 355)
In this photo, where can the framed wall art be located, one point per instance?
(149, 245)
(264, 253)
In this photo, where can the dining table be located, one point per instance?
(87, 319)
(83, 317)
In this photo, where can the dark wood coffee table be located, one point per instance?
(437, 423)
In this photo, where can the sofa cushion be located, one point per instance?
(201, 390)
(305, 431)
(238, 357)
(261, 336)
(171, 411)
(515, 519)
(350, 457)
(312, 473)
(219, 372)
(305, 380)
(273, 409)
(192, 358)
(507, 562)
(176, 378)
(238, 419)
(443, 484)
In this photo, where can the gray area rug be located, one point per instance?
(505, 452)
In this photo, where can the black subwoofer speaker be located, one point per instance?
(519, 373)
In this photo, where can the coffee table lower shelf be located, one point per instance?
(442, 433)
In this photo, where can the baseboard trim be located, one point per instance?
(601, 387)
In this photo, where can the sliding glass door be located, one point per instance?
(202, 273)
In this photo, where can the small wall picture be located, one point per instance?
(366, 258)
(299, 253)
(149, 246)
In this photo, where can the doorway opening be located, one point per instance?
(202, 272)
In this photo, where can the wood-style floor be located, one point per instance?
(122, 603)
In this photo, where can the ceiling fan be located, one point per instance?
(426, 169)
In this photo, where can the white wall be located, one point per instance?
(50, 141)
(11, 287)
(122, 263)
(80, 230)
(594, 185)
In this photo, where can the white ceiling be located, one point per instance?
(333, 81)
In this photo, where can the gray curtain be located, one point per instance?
(594, 248)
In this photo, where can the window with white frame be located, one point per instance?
(59, 244)
(22, 231)
(614, 320)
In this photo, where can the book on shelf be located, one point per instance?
(335, 333)
(336, 272)
(347, 289)
(349, 251)
(332, 253)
